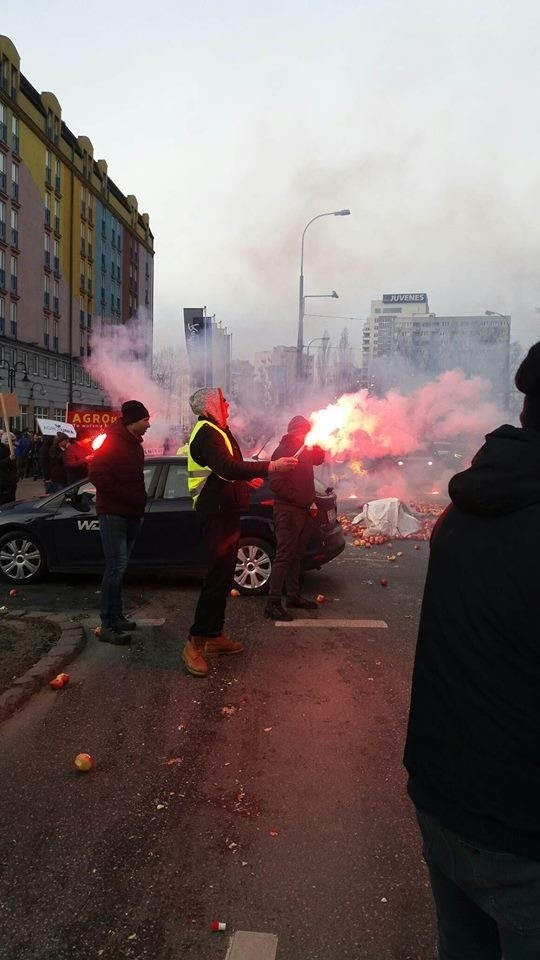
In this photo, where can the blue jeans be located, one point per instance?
(118, 537)
(487, 901)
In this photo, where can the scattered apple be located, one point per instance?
(83, 762)
(64, 677)
(13, 592)
(56, 683)
(383, 582)
(97, 631)
(320, 598)
(235, 592)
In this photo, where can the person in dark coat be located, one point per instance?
(117, 471)
(294, 500)
(472, 748)
(76, 459)
(57, 463)
(45, 462)
(218, 480)
(8, 471)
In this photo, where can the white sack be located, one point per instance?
(389, 517)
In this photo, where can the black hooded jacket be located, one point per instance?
(298, 486)
(473, 741)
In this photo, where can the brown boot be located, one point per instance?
(222, 644)
(192, 655)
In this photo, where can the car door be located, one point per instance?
(75, 528)
(171, 522)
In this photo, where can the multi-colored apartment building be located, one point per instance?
(75, 254)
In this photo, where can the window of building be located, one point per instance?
(46, 291)
(15, 134)
(55, 341)
(4, 71)
(47, 208)
(57, 216)
(13, 319)
(2, 220)
(83, 244)
(41, 412)
(47, 249)
(14, 273)
(15, 229)
(63, 370)
(21, 422)
(60, 413)
(2, 315)
(54, 369)
(56, 296)
(2, 270)
(15, 181)
(35, 364)
(56, 255)
(45, 366)
(3, 172)
(57, 175)
(48, 166)
(3, 122)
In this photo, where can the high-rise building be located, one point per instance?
(402, 339)
(75, 253)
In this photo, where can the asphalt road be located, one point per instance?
(270, 796)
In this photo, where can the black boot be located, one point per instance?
(275, 611)
(302, 603)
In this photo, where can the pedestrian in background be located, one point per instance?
(218, 480)
(34, 452)
(117, 471)
(45, 462)
(57, 463)
(8, 471)
(293, 506)
(76, 458)
(473, 739)
(21, 447)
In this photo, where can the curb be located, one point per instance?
(71, 641)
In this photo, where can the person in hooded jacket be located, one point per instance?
(473, 741)
(117, 470)
(8, 471)
(294, 499)
(219, 481)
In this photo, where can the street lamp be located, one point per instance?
(12, 371)
(301, 297)
(506, 318)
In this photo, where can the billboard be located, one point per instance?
(88, 420)
(404, 298)
(198, 334)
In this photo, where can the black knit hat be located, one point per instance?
(132, 411)
(528, 382)
(298, 425)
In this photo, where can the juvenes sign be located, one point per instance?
(404, 298)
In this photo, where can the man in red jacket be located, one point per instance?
(118, 475)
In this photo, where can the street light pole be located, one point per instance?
(301, 297)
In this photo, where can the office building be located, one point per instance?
(75, 254)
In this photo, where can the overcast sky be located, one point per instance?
(234, 123)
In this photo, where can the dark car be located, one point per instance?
(60, 533)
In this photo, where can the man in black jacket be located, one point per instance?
(294, 499)
(218, 479)
(473, 741)
(117, 470)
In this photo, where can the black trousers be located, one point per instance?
(220, 536)
(293, 526)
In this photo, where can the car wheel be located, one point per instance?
(253, 565)
(22, 559)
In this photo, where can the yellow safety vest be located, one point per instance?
(198, 475)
